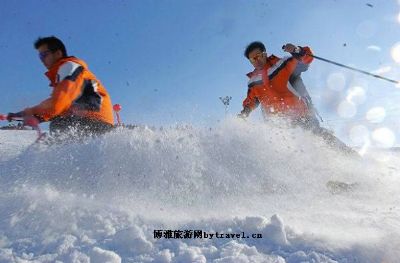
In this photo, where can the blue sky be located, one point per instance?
(168, 62)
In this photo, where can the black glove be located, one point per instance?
(11, 116)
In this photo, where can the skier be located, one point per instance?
(276, 84)
(78, 100)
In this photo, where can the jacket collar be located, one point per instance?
(270, 61)
(52, 72)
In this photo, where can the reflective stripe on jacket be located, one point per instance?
(270, 86)
(76, 92)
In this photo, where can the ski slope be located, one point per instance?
(104, 199)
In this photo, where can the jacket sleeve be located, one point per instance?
(64, 93)
(251, 102)
(304, 58)
(60, 100)
(306, 55)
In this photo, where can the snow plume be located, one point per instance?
(105, 199)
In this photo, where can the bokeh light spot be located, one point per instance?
(356, 95)
(395, 53)
(384, 137)
(376, 114)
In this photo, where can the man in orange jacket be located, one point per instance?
(275, 83)
(78, 100)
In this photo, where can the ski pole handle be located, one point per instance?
(117, 108)
(31, 121)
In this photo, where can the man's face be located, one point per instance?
(48, 57)
(258, 58)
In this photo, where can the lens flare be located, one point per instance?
(336, 81)
(356, 95)
(374, 48)
(363, 150)
(395, 53)
(376, 115)
(347, 109)
(384, 137)
(382, 70)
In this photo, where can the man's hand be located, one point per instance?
(244, 113)
(12, 116)
(31, 121)
(291, 48)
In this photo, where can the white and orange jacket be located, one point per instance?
(271, 86)
(76, 92)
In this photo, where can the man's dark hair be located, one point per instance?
(52, 43)
(252, 46)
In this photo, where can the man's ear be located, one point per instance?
(59, 54)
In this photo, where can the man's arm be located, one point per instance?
(62, 96)
(302, 54)
(249, 104)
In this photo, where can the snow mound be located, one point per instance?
(248, 192)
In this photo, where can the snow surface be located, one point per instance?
(100, 200)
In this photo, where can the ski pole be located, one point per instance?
(27, 121)
(117, 108)
(355, 69)
(3, 117)
(34, 123)
(351, 68)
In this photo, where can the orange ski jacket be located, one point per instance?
(76, 92)
(270, 86)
